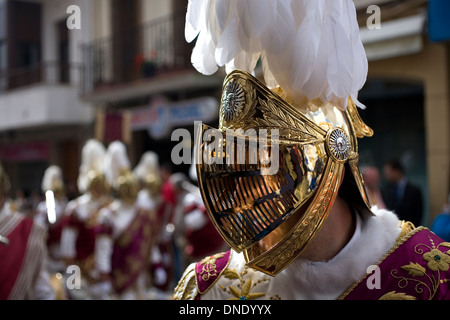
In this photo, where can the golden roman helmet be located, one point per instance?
(271, 172)
(272, 209)
(91, 177)
(118, 172)
(147, 172)
(127, 187)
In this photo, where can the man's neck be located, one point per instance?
(335, 233)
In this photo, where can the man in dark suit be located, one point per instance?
(400, 195)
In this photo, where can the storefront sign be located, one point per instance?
(162, 117)
(20, 152)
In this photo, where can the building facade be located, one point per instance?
(43, 121)
(139, 78)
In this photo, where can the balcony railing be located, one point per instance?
(44, 72)
(136, 54)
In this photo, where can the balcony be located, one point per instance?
(151, 58)
(42, 94)
(50, 72)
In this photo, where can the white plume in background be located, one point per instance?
(310, 48)
(92, 157)
(149, 164)
(116, 161)
(52, 176)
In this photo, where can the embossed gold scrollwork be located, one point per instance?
(238, 100)
(264, 109)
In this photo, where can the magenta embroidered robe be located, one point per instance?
(22, 257)
(415, 268)
(88, 231)
(131, 252)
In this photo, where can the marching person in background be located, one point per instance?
(148, 173)
(177, 180)
(200, 238)
(84, 235)
(23, 253)
(163, 254)
(372, 183)
(167, 192)
(129, 246)
(50, 213)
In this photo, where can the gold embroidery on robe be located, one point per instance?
(187, 286)
(242, 291)
(437, 261)
(209, 267)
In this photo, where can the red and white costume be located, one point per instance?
(22, 255)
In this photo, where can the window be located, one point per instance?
(23, 43)
(63, 51)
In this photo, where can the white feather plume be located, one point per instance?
(52, 176)
(116, 161)
(92, 157)
(310, 48)
(149, 164)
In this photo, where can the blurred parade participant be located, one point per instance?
(129, 247)
(84, 235)
(178, 227)
(167, 191)
(300, 225)
(23, 253)
(200, 237)
(162, 259)
(50, 213)
(147, 172)
(372, 183)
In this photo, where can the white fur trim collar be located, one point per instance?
(373, 237)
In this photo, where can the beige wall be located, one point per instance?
(101, 17)
(153, 9)
(431, 67)
(150, 9)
